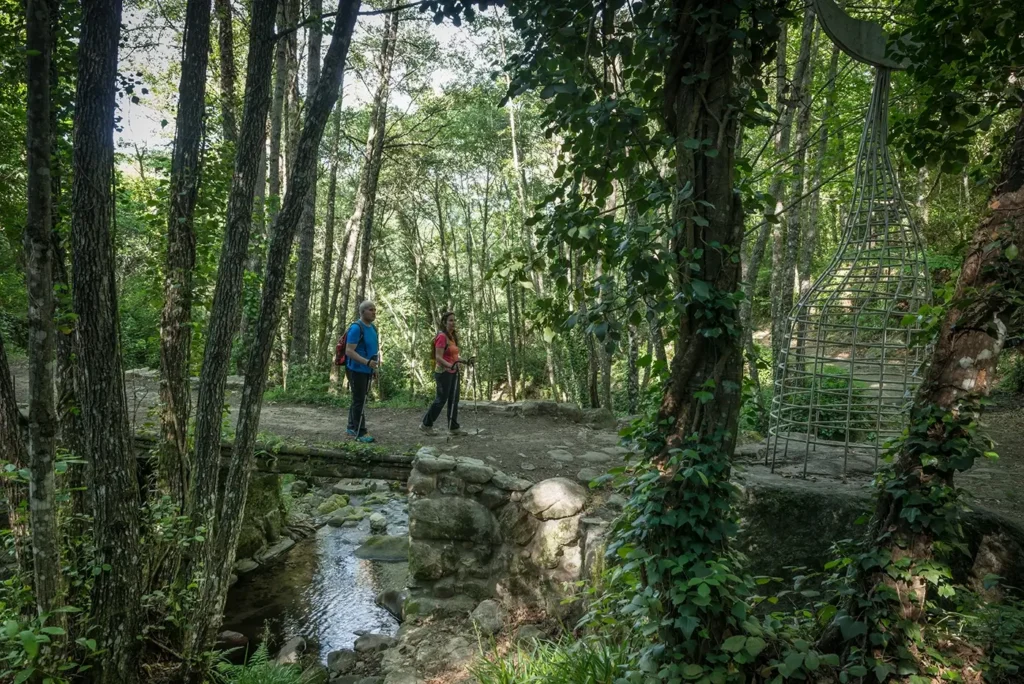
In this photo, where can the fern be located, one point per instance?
(259, 670)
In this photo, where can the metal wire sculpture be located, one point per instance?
(849, 368)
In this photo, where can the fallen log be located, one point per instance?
(306, 461)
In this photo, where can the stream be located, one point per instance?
(319, 590)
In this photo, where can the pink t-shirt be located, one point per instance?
(451, 354)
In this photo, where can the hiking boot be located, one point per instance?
(458, 431)
(350, 432)
(365, 438)
(426, 429)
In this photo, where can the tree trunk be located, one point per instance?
(224, 315)
(444, 245)
(277, 116)
(329, 296)
(948, 402)
(116, 594)
(800, 103)
(14, 453)
(301, 179)
(176, 317)
(378, 121)
(699, 432)
(299, 352)
(42, 332)
(228, 71)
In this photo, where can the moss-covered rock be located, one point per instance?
(332, 503)
(264, 515)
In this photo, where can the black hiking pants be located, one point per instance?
(447, 393)
(360, 384)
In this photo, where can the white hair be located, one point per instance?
(364, 306)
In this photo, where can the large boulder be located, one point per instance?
(452, 518)
(431, 560)
(556, 498)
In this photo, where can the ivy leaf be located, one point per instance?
(755, 645)
(1011, 252)
(692, 671)
(850, 628)
(734, 644)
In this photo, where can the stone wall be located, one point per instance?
(476, 533)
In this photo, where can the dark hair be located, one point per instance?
(444, 329)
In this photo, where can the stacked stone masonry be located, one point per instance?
(476, 533)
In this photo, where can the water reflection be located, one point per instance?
(320, 591)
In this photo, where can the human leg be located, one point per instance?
(360, 383)
(440, 398)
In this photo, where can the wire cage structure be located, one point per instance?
(849, 368)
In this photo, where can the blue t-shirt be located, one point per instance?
(364, 336)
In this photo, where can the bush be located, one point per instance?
(259, 670)
(570, 661)
(1013, 378)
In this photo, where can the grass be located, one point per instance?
(569, 661)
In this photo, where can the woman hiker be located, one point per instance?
(446, 375)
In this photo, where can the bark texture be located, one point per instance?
(13, 452)
(228, 71)
(42, 331)
(224, 317)
(299, 352)
(104, 410)
(329, 295)
(176, 316)
(372, 169)
(301, 179)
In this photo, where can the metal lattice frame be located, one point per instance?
(849, 368)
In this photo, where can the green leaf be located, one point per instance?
(24, 675)
(735, 644)
(692, 671)
(55, 631)
(1011, 252)
(31, 643)
(755, 645)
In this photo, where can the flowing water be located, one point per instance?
(320, 591)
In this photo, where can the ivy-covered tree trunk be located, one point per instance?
(916, 506)
(377, 131)
(42, 332)
(116, 593)
(301, 179)
(224, 316)
(299, 352)
(176, 317)
(329, 295)
(687, 539)
(14, 453)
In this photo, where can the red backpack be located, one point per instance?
(341, 350)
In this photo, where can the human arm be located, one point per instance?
(440, 360)
(350, 352)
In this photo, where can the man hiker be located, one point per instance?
(362, 351)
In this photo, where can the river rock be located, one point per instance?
(431, 560)
(435, 464)
(245, 566)
(529, 633)
(290, 652)
(299, 487)
(331, 504)
(555, 498)
(588, 475)
(616, 502)
(371, 680)
(376, 498)
(561, 455)
(517, 524)
(344, 515)
(488, 617)
(421, 483)
(615, 451)
(384, 548)
(596, 457)
(509, 483)
(341, 662)
(371, 643)
(402, 677)
(378, 523)
(458, 651)
(492, 497)
(275, 551)
(527, 466)
(392, 600)
(551, 537)
(474, 471)
(451, 518)
(352, 487)
(228, 640)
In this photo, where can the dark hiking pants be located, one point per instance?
(447, 393)
(360, 384)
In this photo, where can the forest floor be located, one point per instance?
(540, 447)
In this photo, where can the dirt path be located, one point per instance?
(539, 447)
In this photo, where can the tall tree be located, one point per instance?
(12, 446)
(228, 70)
(116, 592)
(301, 179)
(176, 317)
(42, 331)
(329, 295)
(225, 313)
(307, 229)
(367, 200)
